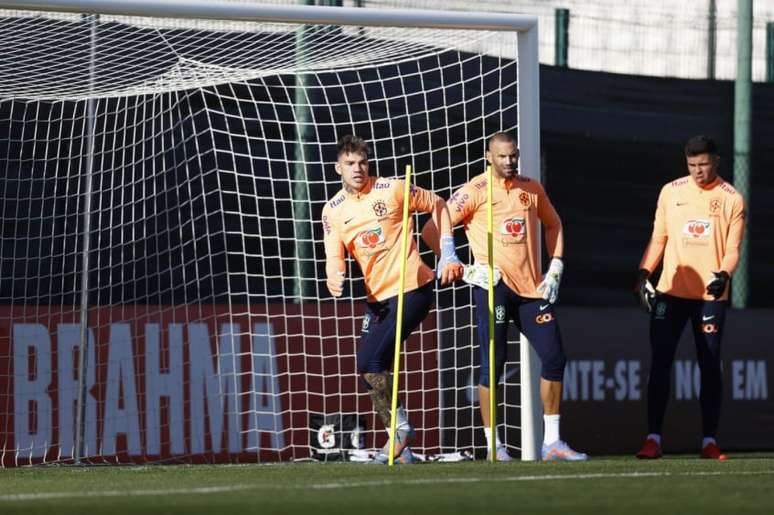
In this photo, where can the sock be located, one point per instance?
(551, 431)
(706, 441)
(401, 422)
(488, 435)
(655, 437)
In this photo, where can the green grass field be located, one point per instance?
(743, 484)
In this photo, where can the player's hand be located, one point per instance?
(452, 272)
(449, 265)
(718, 283)
(549, 287)
(644, 291)
(335, 283)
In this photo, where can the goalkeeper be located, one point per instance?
(520, 293)
(697, 230)
(365, 218)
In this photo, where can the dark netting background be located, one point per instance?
(197, 194)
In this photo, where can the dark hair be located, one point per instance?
(351, 144)
(698, 145)
(501, 136)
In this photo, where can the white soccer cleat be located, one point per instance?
(403, 439)
(406, 457)
(560, 451)
(501, 454)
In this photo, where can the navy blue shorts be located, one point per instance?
(535, 318)
(377, 341)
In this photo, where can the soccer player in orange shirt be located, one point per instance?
(365, 219)
(697, 231)
(519, 205)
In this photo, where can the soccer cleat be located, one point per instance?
(711, 451)
(403, 438)
(406, 457)
(501, 454)
(560, 451)
(379, 459)
(651, 450)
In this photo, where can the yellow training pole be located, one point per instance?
(490, 263)
(404, 236)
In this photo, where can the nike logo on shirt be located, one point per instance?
(544, 306)
(705, 318)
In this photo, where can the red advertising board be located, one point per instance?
(193, 383)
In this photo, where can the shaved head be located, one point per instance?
(501, 137)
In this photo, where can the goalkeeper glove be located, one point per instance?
(644, 291)
(549, 288)
(449, 265)
(335, 283)
(478, 275)
(717, 285)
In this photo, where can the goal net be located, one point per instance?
(162, 293)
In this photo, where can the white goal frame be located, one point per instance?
(528, 95)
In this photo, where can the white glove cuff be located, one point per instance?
(555, 269)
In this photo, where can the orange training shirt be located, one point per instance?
(698, 231)
(368, 224)
(517, 206)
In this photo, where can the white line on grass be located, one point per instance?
(552, 477)
(123, 493)
(360, 484)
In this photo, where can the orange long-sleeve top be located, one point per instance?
(698, 230)
(518, 205)
(368, 225)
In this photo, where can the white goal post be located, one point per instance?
(235, 331)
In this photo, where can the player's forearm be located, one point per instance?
(735, 235)
(431, 237)
(449, 268)
(554, 236)
(334, 256)
(442, 218)
(553, 232)
(730, 260)
(653, 254)
(438, 226)
(334, 265)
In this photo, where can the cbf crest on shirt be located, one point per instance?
(368, 224)
(518, 205)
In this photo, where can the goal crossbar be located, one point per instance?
(202, 9)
